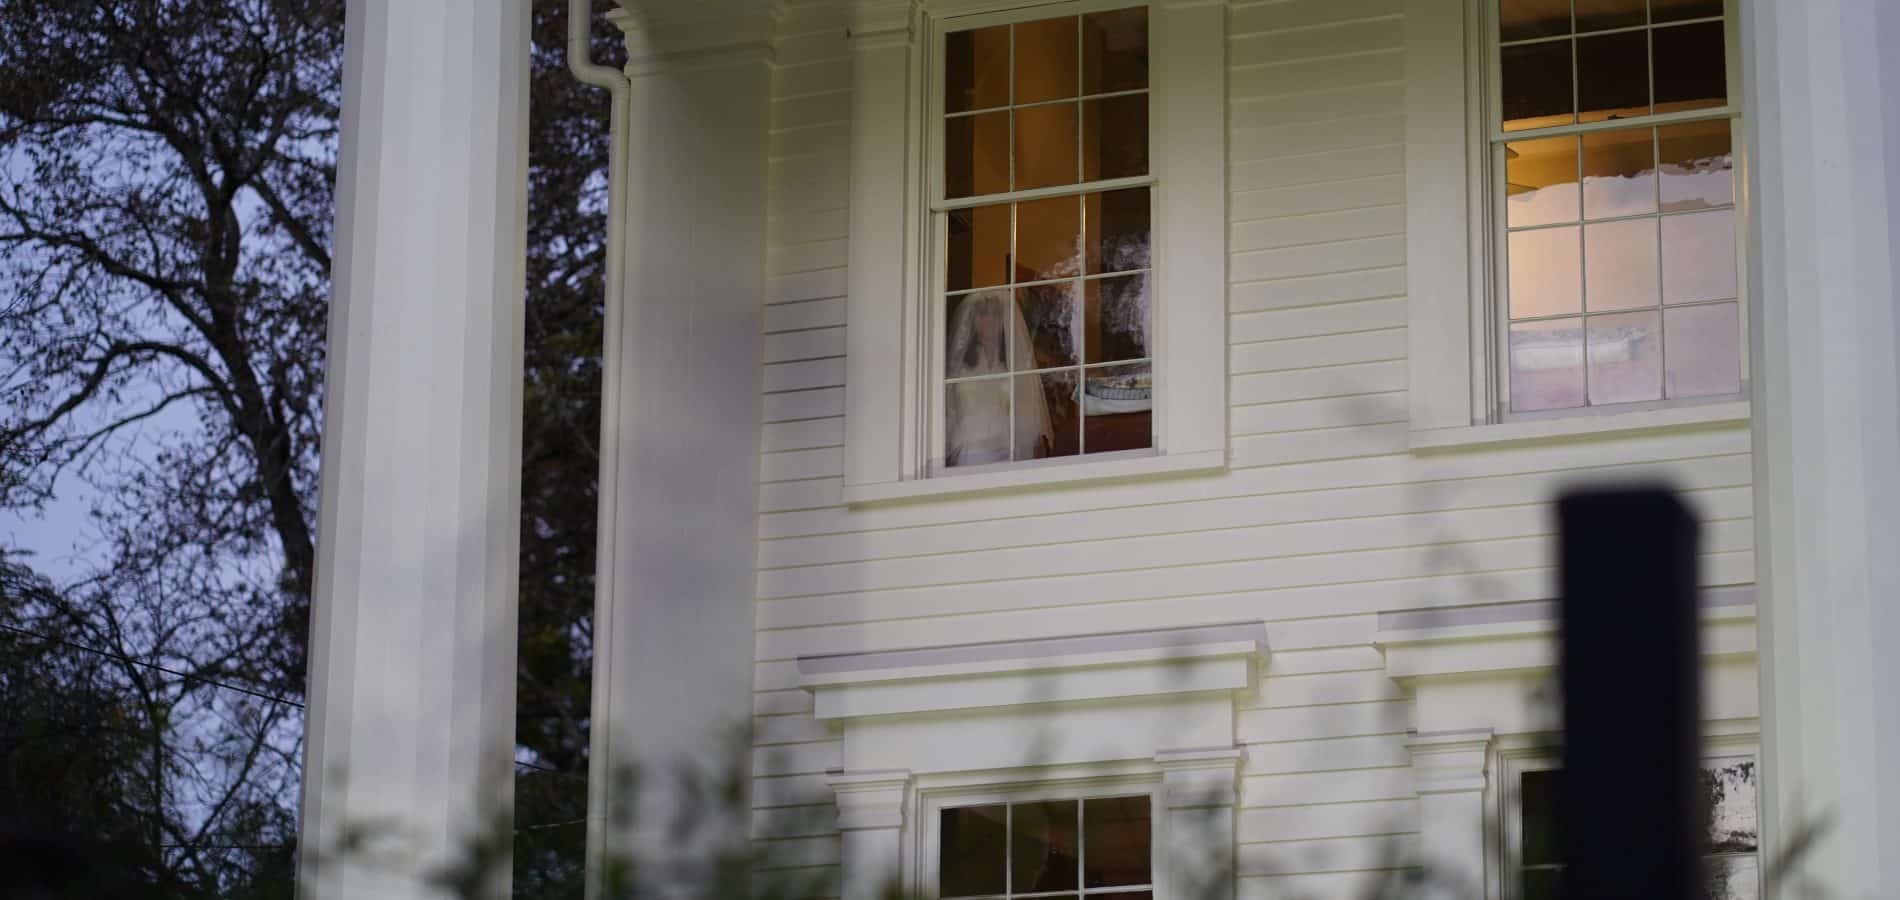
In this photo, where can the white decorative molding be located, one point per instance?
(1202, 777)
(1013, 673)
(1446, 762)
(872, 799)
(665, 35)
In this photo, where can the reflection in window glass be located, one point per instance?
(1041, 295)
(1523, 19)
(1697, 165)
(1052, 848)
(1691, 67)
(1704, 358)
(1546, 365)
(1625, 357)
(1597, 15)
(1540, 181)
(1620, 268)
(1536, 85)
(1546, 272)
(1699, 257)
(1612, 76)
(1619, 173)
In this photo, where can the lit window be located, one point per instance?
(1731, 867)
(1043, 212)
(1095, 846)
(1613, 148)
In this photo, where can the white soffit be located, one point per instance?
(1048, 670)
(1503, 637)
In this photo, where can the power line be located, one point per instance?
(151, 665)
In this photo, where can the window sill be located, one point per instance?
(1583, 425)
(952, 485)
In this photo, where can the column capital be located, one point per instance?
(1200, 777)
(873, 799)
(1446, 762)
(667, 35)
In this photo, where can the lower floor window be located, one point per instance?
(1728, 790)
(1098, 846)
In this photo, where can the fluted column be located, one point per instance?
(1449, 774)
(1199, 791)
(412, 647)
(871, 823)
(1822, 86)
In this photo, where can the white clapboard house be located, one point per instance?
(1084, 439)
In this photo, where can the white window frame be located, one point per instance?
(1454, 229)
(1509, 810)
(931, 802)
(891, 432)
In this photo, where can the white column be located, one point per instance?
(1199, 791)
(1822, 87)
(1448, 772)
(680, 442)
(871, 820)
(412, 646)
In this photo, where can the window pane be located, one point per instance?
(1045, 60)
(1045, 145)
(1049, 313)
(1118, 237)
(976, 154)
(1596, 15)
(1699, 256)
(1691, 70)
(1116, 834)
(1619, 173)
(976, 69)
(1677, 10)
(1546, 272)
(975, 433)
(1115, 51)
(1537, 85)
(1042, 849)
(1048, 238)
(1537, 799)
(1547, 365)
(1613, 76)
(1626, 358)
(1705, 356)
(1117, 313)
(1698, 165)
(1047, 421)
(1540, 181)
(975, 337)
(1115, 137)
(1116, 402)
(1521, 19)
(1732, 878)
(978, 251)
(1728, 789)
(972, 847)
(1620, 269)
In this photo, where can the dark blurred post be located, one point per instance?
(1631, 819)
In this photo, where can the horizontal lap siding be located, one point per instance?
(1324, 519)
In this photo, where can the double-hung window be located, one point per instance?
(1037, 250)
(1730, 865)
(1612, 136)
(1075, 848)
(1043, 215)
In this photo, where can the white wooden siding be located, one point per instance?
(1324, 519)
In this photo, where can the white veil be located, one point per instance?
(976, 427)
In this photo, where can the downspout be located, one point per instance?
(580, 61)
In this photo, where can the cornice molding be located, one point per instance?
(669, 35)
(873, 799)
(1201, 778)
(1447, 762)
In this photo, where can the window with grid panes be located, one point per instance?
(1098, 847)
(1612, 144)
(1731, 868)
(1043, 220)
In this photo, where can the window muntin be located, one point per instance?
(1613, 143)
(1045, 211)
(1732, 869)
(1070, 847)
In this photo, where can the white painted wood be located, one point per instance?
(1824, 183)
(412, 658)
(682, 455)
(871, 808)
(1449, 769)
(1199, 788)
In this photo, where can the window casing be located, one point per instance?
(1046, 842)
(898, 264)
(1530, 849)
(1041, 222)
(1610, 134)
